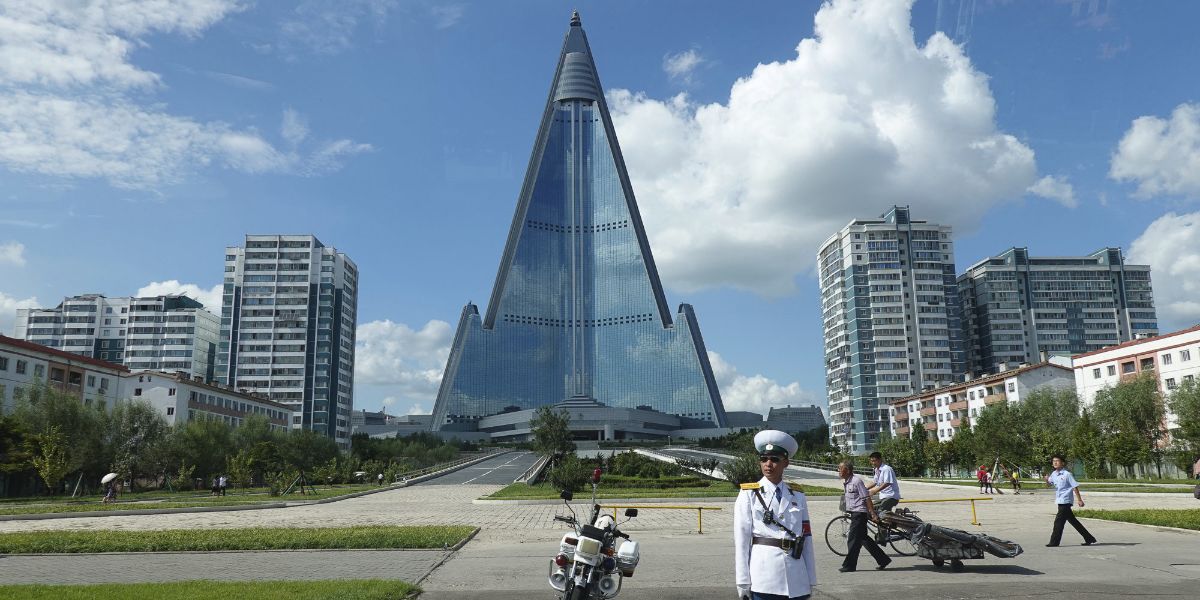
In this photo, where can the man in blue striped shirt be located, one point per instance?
(1064, 485)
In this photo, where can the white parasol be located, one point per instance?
(108, 478)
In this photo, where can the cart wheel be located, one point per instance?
(938, 562)
(956, 565)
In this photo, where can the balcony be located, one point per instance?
(955, 423)
(959, 405)
(901, 415)
(931, 426)
(902, 432)
(929, 412)
(993, 399)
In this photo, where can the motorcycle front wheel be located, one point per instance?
(578, 593)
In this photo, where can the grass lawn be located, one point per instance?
(158, 499)
(713, 489)
(1033, 485)
(347, 589)
(1183, 519)
(202, 540)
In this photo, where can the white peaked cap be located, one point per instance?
(773, 441)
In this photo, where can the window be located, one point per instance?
(1112, 370)
(1148, 364)
(1171, 383)
(1127, 368)
(1096, 373)
(1187, 378)
(1012, 386)
(137, 391)
(91, 381)
(1166, 358)
(1185, 355)
(108, 321)
(3, 363)
(170, 410)
(40, 371)
(103, 384)
(171, 391)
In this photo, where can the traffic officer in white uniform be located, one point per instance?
(772, 537)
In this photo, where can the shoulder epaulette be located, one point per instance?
(751, 486)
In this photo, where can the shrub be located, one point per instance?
(569, 474)
(743, 469)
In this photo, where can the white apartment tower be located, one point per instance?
(167, 333)
(891, 317)
(287, 328)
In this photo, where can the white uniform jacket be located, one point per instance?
(768, 569)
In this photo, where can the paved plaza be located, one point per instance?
(509, 558)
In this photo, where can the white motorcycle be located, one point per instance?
(589, 566)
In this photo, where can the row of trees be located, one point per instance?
(1124, 427)
(69, 445)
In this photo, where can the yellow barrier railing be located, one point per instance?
(974, 518)
(699, 511)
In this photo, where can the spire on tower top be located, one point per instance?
(575, 22)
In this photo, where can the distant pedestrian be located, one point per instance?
(223, 482)
(1196, 468)
(216, 487)
(379, 479)
(1014, 476)
(110, 492)
(981, 475)
(1064, 485)
(860, 507)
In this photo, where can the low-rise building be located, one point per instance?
(945, 410)
(182, 398)
(795, 419)
(25, 364)
(1173, 358)
(741, 420)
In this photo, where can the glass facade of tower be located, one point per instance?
(577, 310)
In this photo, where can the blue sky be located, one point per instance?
(136, 144)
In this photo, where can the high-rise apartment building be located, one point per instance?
(167, 333)
(1017, 308)
(287, 328)
(892, 320)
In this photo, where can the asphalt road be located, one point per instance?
(501, 470)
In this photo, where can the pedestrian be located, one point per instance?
(772, 535)
(379, 479)
(981, 475)
(110, 492)
(994, 482)
(884, 483)
(1064, 485)
(224, 483)
(860, 507)
(1014, 476)
(216, 487)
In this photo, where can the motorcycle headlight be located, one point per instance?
(588, 546)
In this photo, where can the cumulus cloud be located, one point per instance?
(72, 104)
(8, 310)
(681, 66)
(12, 253)
(210, 298)
(1055, 188)
(1161, 156)
(406, 362)
(755, 393)
(863, 117)
(1171, 246)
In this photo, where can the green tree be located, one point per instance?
(240, 468)
(44, 409)
(743, 469)
(1042, 417)
(204, 444)
(1130, 417)
(1087, 444)
(551, 431)
(999, 433)
(304, 449)
(1185, 405)
(50, 456)
(14, 452)
(937, 456)
(254, 430)
(131, 433)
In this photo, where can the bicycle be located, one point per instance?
(837, 533)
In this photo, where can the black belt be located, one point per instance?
(782, 544)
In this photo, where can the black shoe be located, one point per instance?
(1089, 543)
(1051, 545)
(883, 566)
(845, 570)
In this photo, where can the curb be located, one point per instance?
(446, 557)
(206, 552)
(205, 509)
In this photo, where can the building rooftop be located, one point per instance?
(66, 356)
(986, 379)
(1136, 342)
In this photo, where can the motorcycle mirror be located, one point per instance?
(567, 495)
(596, 475)
(631, 512)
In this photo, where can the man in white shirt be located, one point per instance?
(772, 535)
(885, 484)
(1064, 485)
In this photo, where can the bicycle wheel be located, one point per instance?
(837, 533)
(901, 545)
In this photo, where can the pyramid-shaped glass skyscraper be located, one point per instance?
(577, 311)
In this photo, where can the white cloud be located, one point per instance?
(389, 401)
(294, 128)
(12, 253)
(418, 409)
(1057, 189)
(681, 66)
(1171, 246)
(407, 363)
(210, 298)
(8, 310)
(72, 104)
(1161, 156)
(446, 16)
(330, 26)
(755, 393)
(861, 119)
